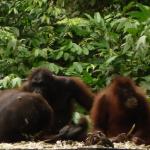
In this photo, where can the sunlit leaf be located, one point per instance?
(97, 17)
(6, 81)
(16, 82)
(85, 51)
(141, 42)
(111, 59)
(78, 67)
(12, 43)
(59, 55)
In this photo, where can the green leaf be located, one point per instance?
(119, 23)
(131, 26)
(12, 44)
(40, 53)
(145, 82)
(43, 18)
(87, 78)
(97, 17)
(51, 66)
(66, 56)
(6, 81)
(16, 82)
(36, 52)
(76, 117)
(15, 11)
(85, 51)
(59, 55)
(76, 48)
(111, 59)
(78, 67)
(141, 15)
(141, 42)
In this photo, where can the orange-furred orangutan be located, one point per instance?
(119, 107)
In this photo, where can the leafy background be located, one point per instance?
(94, 40)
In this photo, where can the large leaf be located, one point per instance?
(78, 67)
(141, 15)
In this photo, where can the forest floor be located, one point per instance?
(68, 145)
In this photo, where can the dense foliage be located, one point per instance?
(95, 46)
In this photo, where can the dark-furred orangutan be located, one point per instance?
(119, 107)
(60, 92)
(22, 115)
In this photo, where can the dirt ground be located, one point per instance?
(66, 145)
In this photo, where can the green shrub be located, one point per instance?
(94, 47)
